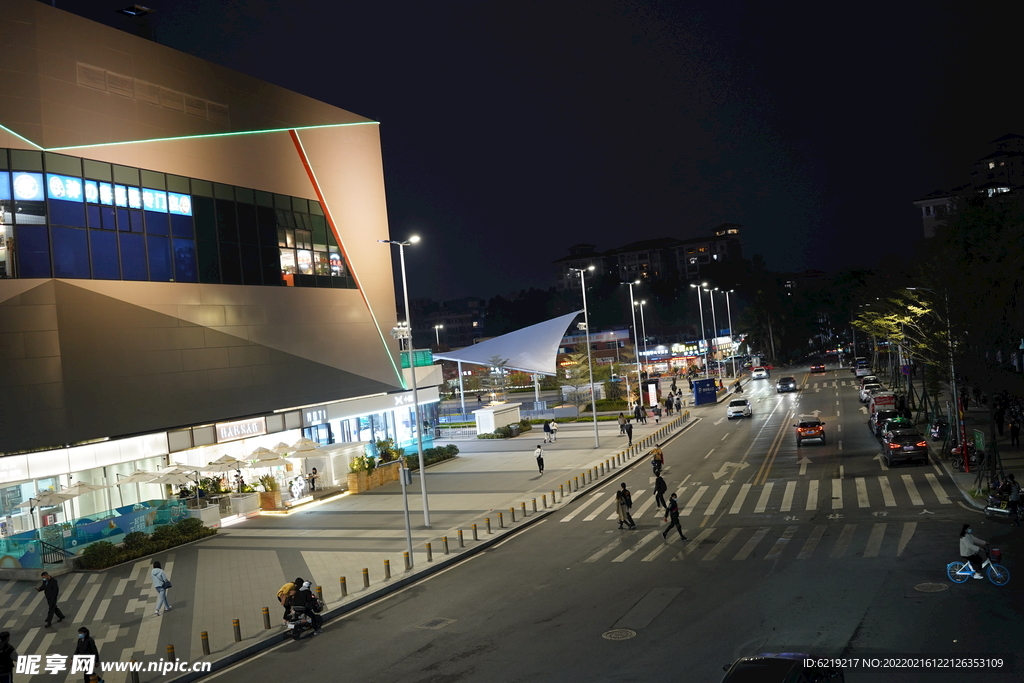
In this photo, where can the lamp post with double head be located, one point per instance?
(700, 303)
(714, 319)
(590, 363)
(417, 425)
(636, 344)
(732, 339)
(437, 335)
(643, 325)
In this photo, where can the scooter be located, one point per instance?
(974, 457)
(656, 466)
(938, 430)
(997, 506)
(299, 623)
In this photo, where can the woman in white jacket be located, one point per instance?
(970, 549)
(161, 583)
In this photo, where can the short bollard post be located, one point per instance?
(577, 480)
(475, 536)
(430, 555)
(205, 637)
(523, 504)
(512, 514)
(544, 499)
(501, 521)
(238, 630)
(444, 539)
(462, 541)
(488, 520)
(344, 587)
(170, 654)
(561, 492)
(366, 577)
(534, 504)
(552, 498)
(266, 618)
(387, 569)
(408, 560)
(320, 593)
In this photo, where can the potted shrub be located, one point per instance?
(270, 498)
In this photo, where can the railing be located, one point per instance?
(51, 554)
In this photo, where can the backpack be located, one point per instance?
(317, 605)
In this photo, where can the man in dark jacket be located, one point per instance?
(659, 493)
(673, 512)
(50, 589)
(86, 646)
(8, 657)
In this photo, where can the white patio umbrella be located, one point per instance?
(137, 477)
(281, 448)
(260, 452)
(311, 453)
(304, 444)
(173, 478)
(80, 488)
(46, 499)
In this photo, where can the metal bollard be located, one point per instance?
(475, 536)
(577, 480)
(462, 541)
(170, 654)
(238, 630)
(387, 569)
(512, 514)
(408, 561)
(444, 539)
(266, 619)
(344, 588)
(501, 521)
(552, 499)
(430, 555)
(205, 637)
(488, 520)
(561, 493)
(534, 505)
(320, 593)
(544, 499)
(366, 577)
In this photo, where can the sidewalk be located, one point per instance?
(237, 573)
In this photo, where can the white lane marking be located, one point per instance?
(812, 495)
(615, 515)
(762, 502)
(875, 540)
(915, 497)
(720, 546)
(862, 492)
(908, 532)
(644, 541)
(617, 543)
(686, 511)
(844, 541)
(643, 508)
(787, 497)
(738, 503)
(600, 508)
(724, 436)
(749, 546)
(595, 496)
(890, 500)
(717, 500)
(937, 489)
(780, 544)
(837, 494)
(693, 544)
(709, 453)
(812, 542)
(840, 445)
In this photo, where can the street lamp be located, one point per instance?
(714, 320)
(590, 363)
(732, 339)
(636, 344)
(437, 335)
(700, 302)
(403, 334)
(643, 325)
(407, 335)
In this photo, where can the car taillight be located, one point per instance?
(894, 445)
(922, 444)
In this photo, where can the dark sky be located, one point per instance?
(512, 130)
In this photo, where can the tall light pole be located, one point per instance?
(643, 325)
(700, 302)
(437, 335)
(590, 363)
(714, 320)
(732, 339)
(636, 344)
(412, 371)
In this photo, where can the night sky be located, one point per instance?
(513, 130)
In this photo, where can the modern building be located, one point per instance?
(453, 324)
(189, 265)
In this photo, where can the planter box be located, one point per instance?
(358, 482)
(271, 500)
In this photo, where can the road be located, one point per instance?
(818, 549)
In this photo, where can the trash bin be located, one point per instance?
(515, 428)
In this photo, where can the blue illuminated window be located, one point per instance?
(64, 188)
(33, 246)
(133, 256)
(28, 186)
(70, 252)
(185, 268)
(105, 262)
(159, 258)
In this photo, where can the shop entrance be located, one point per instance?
(321, 434)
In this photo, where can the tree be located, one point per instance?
(494, 381)
(577, 376)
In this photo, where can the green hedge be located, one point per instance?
(606, 404)
(431, 455)
(103, 554)
(506, 432)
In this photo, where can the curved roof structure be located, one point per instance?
(531, 349)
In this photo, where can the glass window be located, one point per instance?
(300, 205)
(251, 272)
(248, 230)
(303, 239)
(319, 225)
(92, 216)
(281, 201)
(221, 191)
(66, 213)
(5, 260)
(287, 261)
(244, 195)
(176, 183)
(59, 163)
(159, 250)
(264, 199)
(203, 188)
(181, 226)
(109, 218)
(157, 223)
(126, 175)
(230, 264)
(321, 263)
(304, 261)
(133, 256)
(227, 222)
(26, 160)
(205, 219)
(315, 208)
(268, 227)
(154, 180)
(97, 170)
(271, 265)
(135, 220)
(338, 265)
(123, 224)
(282, 237)
(185, 261)
(33, 248)
(70, 252)
(103, 247)
(209, 261)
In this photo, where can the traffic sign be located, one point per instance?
(905, 369)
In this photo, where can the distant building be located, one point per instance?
(461, 321)
(1001, 171)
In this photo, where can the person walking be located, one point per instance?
(660, 487)
(554, 430)
(629, 433)
(657, 413)
(539, 454)
(1013, 501)
(657, 459)
(623, 503)
(547, 431)
(8, 657)
(679, 404)
(1015, 433)
(86, 647)
(673, 512)
(161, 583)
(622, 424)
(1000, 421)
(669, 402)
(50, 589)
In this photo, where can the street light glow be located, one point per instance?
(414, 239)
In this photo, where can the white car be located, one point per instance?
(865, 391)
(759, 373)
(738, 407)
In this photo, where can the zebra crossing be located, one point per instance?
(737, 544)
(853, 493)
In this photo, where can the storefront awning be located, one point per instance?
(531, 349)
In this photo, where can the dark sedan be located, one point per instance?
(817, 367)
(786, 384)
(902, 446)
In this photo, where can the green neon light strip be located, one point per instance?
(304, 158)
(19, 136)
(210, 135)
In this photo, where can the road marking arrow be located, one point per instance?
(864, 409)
(926, 512)
(725, 468)
(719, 420)
(815, 413)
(880, 513)
(803, 462)
(881, 461)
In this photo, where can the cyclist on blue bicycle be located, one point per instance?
(970, 549)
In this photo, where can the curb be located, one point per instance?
(278, 636)
(956, 482)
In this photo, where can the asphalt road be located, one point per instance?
(818, 549)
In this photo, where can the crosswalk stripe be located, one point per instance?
(837, 494)
(593, 497)
(615, 515)
(890, 500)
(617, 543)
(915, 497)
(643, 508)
(787, 497)
(908, 532)
(600, 509)
(812, 542)
(937, 489)
(644, 541)
(749, 546)
(717, 500)
(693, 544)
(720, 546)
(780, 544)
(845, 536)
(766, 493)
(812, 495)
(685, 512)
(862, 493)
(815, 385)
(875, 540)
(738, 503)
(660, 549)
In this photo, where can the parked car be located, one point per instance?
(812, 428)
(738, 407)
(901, 445)
(760, 372)
(817, 367)
(897, 422)
(785, 384)
(784, 667)
(868, 379)
(865, 391)
(897, 431)
(878, 418)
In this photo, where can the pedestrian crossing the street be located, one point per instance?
(854, 493)
(738, 544)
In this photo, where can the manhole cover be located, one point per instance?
(618, 634)
(435, 624)
(931, 587)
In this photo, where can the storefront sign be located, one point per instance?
(242, 429)
(314, 416)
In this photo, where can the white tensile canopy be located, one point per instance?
(532, 349)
